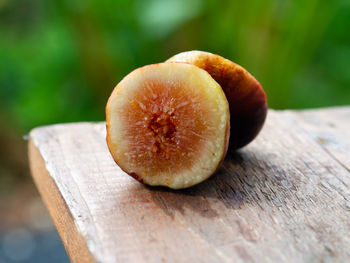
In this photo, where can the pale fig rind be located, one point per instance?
(168, 125)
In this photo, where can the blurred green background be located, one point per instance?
(59, 60)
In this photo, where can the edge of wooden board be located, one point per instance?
(72, 240)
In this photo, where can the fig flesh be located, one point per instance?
(246, 97)
(168, 125)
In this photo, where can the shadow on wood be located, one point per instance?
(231, 185)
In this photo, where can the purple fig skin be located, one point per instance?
(246, 97)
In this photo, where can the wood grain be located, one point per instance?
(283, 198)
(73, 241)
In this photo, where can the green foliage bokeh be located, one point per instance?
(59, 60)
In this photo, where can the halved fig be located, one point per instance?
(168, 125)
(246, 97)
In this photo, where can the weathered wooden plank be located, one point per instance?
(283, 198)
(73, 241)
(329, 128)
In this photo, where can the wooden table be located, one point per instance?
(283, 198)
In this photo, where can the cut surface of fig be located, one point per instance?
(246, 97)
(168, 124)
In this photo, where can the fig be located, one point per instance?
(246, 97)
(168, 125)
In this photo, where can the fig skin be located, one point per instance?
(246, 97)
(208, 100)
